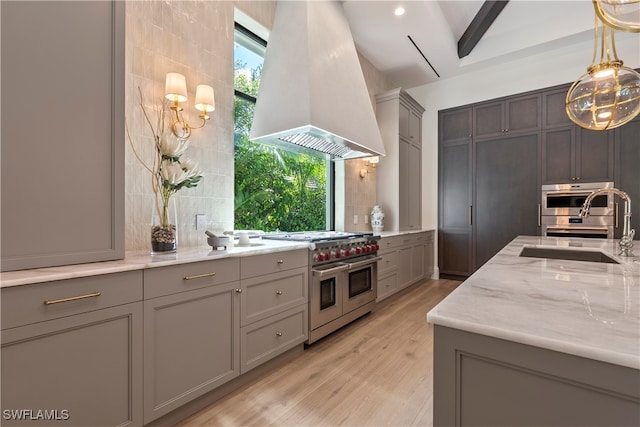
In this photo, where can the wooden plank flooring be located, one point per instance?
(376, 371)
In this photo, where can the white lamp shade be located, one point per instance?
(175, 87)
(205, 99)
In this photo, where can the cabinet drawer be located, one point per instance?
(266, 339)
(267, 295)
(387, 286)
(391, 242)
(185, 277)
(23, 305)
(389, 262)
(272, 263)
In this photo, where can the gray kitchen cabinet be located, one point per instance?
(481, 380)
(507, 192)
(406, 259)
(62, 132)
(192, 326)
(553, 107)
(274, 305)
(455, 125)
(455, 192)
(73, 350)
(572, 154)
(399, 173)
(627, 177)
(514, 114)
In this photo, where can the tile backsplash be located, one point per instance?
(195, 38)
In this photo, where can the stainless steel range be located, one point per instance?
(343, 271)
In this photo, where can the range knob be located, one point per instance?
(334, 255)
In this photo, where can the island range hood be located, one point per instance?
(312, 90)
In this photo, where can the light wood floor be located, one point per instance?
(376, 371)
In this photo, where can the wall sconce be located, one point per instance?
(176, 91)
(369, 161)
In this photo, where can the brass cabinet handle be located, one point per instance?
(280, 261)
(58, 301)
(239, 290)
(615, 214)
(279, 292)
(278, 334)
(199, 276)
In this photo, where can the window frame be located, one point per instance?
(330, 169)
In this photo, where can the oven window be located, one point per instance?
(327, 293)
(575, 201)
(359, 282)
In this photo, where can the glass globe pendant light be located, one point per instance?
(623, 15)
(607, 96)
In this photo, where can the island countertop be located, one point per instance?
(587, 309)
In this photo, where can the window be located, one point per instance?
(275, 189)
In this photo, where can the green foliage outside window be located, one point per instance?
(275, 189)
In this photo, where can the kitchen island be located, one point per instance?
(539, 341)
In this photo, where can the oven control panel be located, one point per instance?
(343, 251)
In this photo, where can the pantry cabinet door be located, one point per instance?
(62, 132)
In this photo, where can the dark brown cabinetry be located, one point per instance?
(573, 154)
(517, 114)
(456, 192)
(506, 192)
(495, 155)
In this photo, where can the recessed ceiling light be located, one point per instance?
(399, 11)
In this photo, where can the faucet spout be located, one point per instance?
(626, 241)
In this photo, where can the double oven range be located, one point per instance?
(342, 277)
(560, 211)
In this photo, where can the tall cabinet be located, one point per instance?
(62, 132)
(399, 188)
(495, 155)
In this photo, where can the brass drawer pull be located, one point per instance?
(199, 276)
(239, 290)
(280, 261)
(279, 292)
(58, 301)
(278, 334)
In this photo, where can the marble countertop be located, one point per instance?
(582, 308)
(141, 260)
(401, 233)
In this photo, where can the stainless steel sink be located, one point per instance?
(567, 254)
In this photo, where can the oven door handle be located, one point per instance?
(367, 261)
(328, 271)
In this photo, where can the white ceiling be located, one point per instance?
(523, 28)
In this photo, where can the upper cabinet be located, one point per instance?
(399, 189)
(62, 132)
(514, 114)
(455, 125)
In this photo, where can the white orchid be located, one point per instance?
(171, 146)
(172, 173)
(169, 172)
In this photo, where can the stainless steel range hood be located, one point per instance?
(312, 91)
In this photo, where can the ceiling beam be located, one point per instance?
(488, 12)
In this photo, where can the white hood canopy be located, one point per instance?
(312, 90)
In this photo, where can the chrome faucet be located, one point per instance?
(626, 241)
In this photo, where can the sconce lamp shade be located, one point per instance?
(205, 99)
(623, 15)
(605, 97)
(175, 87)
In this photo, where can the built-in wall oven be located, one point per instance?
(560, 211)
(343, 278)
